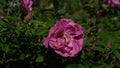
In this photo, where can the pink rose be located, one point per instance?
(1, 17)
(29, 16)
(65, 38)
(27, 5)
(112, 3)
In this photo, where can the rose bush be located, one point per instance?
(21, 41)
(112, 3)
(65, 38)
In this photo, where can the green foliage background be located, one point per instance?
(21, 40)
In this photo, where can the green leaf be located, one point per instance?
(3, 29)
(2, 23)
(13, 18)
(42, 31)
(105, 6)
(1, 62)
(80, 66)
(5, 47)
(37, 22)
(17, 32)
(116, 40)
(71, 66)
(99, 49)
(117, 54)
(22, 57)
(83, 65)
(39, 59)
(83, 55)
